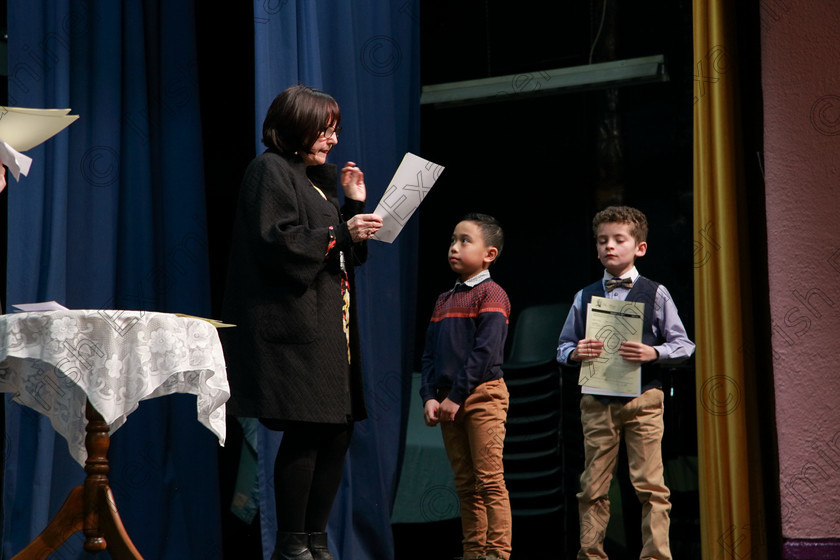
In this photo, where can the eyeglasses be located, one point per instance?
(331, 131)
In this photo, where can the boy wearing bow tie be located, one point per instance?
(620, 238)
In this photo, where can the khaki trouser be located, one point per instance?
(474, 443)
(640, 421)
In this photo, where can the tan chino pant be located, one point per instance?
(640, 422)
(474, 442)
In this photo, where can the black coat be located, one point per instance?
(287, 356)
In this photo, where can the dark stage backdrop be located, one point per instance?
(366, 55)
(112, 216)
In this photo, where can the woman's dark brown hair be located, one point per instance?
(297, 117)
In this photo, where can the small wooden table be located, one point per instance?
(89, 508)
(102, 364)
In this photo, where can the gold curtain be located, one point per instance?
(731, 508)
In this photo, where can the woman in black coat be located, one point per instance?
(293, 358)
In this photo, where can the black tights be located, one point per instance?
(307, 474)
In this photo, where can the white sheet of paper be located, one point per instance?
(411, 183)
(612, 321)
(17, 163)
(40, 306)
(23, 128)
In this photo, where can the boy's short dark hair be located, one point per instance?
(490, 228)
(623, 215)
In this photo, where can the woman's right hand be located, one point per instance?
(363, 226)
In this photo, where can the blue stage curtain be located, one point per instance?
(366, 55)
(112, 216)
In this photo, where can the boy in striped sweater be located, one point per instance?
(462, 386)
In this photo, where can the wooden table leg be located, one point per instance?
(89, 508)
(68, 520)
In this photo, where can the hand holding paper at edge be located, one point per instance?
(411, 183)
(17, 163)
(361, 227)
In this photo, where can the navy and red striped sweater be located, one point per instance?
(465, 340)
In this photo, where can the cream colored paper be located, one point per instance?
(411, 183)
(23, 128)
(612, 321)
(215, 322)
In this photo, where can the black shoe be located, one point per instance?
(318, 547)
(292, 546)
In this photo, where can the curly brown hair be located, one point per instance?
(623, 215)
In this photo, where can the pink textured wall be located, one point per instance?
(801, 81)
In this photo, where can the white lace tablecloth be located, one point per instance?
(54, 361)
